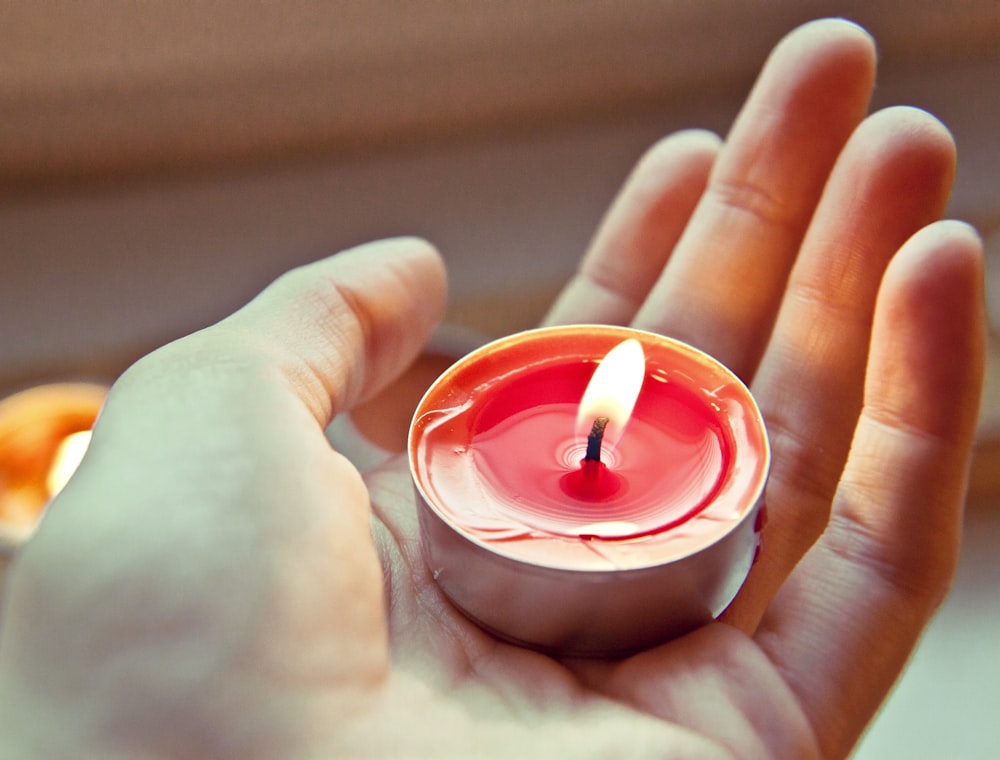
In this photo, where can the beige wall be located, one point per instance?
(120, 86)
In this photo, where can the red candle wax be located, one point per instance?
(521, 449)
(506, 494)
(497, 450)
(592, 482)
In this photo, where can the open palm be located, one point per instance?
(212, 583)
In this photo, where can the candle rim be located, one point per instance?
(753, 488)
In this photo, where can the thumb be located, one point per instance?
(211, 559)
(340, 329)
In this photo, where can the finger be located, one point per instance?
(353, 322)
(335, 331)
(223, 430)
(639, 232)
(864, 593)
(892, 179)
(724, 282)
(239, 408)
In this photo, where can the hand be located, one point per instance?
(212, 582)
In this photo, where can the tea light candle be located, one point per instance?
(44, 431)
(589, 490)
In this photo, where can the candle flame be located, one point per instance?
(612, 391)
(67, 458)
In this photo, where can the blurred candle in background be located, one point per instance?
(44, 432)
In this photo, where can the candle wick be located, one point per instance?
(594, 440)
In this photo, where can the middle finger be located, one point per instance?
(724, 282)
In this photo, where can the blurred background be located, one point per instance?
(160, 163)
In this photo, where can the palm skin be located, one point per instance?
(213, 583)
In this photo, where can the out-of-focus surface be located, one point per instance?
(154, 175)
(96, 270)
(139, 87)
(158, 166)
(946, 703)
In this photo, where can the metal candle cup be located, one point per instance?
(516, 543)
